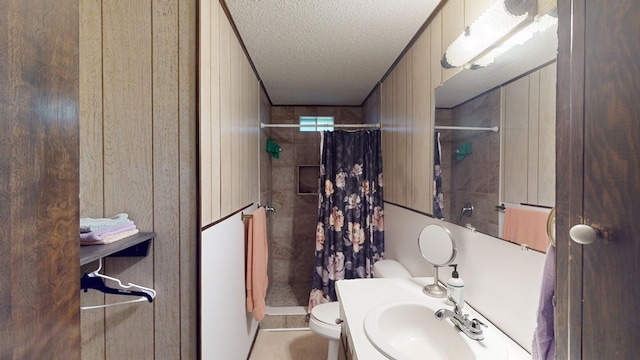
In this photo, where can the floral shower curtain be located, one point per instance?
(350, 229)
(438, 198)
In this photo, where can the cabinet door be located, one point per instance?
(39, 180)
(598, 179)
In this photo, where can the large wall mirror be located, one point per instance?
(484, 171)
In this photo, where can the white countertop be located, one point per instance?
(358, 297)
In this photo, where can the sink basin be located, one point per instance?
(409, 330)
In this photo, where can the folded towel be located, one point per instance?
(101, 234)
(544, 341)
(257, 258)
(524, 226)
(91, 224)
(111, 238)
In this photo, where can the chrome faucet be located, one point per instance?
(471, 328)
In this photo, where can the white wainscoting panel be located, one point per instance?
(227, 329)
(502, 281)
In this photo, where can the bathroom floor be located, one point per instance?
(289, 345)
(288, 295)
(284, 332)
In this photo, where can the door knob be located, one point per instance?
(584, 234)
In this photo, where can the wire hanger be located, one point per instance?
(95, 280)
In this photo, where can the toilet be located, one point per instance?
(325, 318)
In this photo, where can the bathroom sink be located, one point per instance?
(407, 330)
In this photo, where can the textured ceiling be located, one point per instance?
(325, 52)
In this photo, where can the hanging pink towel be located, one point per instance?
(524, 226)
(256, 262)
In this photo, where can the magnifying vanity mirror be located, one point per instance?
(437, 247)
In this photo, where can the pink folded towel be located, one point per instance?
(257, 280)
(524, 226)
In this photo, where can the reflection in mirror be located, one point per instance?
(470, 163)
(514, 166)
(437, 247)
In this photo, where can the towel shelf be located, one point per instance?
(135, 245)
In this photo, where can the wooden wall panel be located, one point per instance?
(166, 176)
(385, 135)
(128, 166)
(39, 180)
(91, 160)
(392, 131)
(529, 138)
(421, 134)
(435, 30)
(226, 180)
(516, 140)
(208, 33)
(547, 137)
(138, 83)
(229, 115)
(187, 79)
(214, 100)
(257, 145)
(400, 114)
(243, 143)
(408, 126)
(407, 115)
(532, 153)
(235, 155)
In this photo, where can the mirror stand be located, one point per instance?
(435, 289)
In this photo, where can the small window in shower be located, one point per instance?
(316, 123)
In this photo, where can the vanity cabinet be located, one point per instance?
(598, 179)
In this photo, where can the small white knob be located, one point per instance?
(583, 234)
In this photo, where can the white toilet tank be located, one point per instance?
(387, 268)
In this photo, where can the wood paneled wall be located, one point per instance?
(138, 155)
(407, 116)
(528, 137)
(39, 287)
(407, 105)
(229, 118)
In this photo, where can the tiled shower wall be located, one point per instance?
(475, 178)
(292, 238)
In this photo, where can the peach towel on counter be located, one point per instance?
(256, 262)
(524, 226)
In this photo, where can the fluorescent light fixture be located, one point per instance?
(539, 25)
(499, 22)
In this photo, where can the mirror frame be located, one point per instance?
(445, 232)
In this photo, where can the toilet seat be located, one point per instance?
(323, 320)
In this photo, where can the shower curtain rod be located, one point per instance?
(263, 125)
(494, 129)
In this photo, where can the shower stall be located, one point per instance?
(289, 184)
